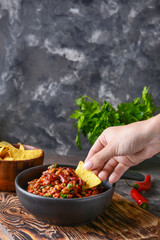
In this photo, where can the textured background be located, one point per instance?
(52, 52)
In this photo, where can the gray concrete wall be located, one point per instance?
(54, 51)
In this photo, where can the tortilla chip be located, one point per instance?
(9, 152)
(8, 158)
(3, 143)
(21, 147)
(27, 154)
(3, 152)
(86, 175)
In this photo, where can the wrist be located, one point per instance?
(153, 128)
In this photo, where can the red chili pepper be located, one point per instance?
(141, 201)
(143, 186)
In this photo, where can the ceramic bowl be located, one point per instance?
(10, 169)
(58, 211)
(67, 211)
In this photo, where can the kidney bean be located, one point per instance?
(65, 190)
(59, 171)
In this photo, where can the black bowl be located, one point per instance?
(64, 212)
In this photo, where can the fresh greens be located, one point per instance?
(92, 118)
(64, 195)
(54, 165)
(47, 195)
(69, 185)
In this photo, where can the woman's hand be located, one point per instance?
(119, 148)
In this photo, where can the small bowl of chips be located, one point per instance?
(14, 158)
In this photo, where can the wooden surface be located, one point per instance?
(122, 220)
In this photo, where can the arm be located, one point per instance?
(119, 148)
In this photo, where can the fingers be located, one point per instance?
(98, 146)
(114, 172)
(107, 169)
(104, 160)
(115, 168)
(118, 172)
(99, 159)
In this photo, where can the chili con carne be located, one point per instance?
(61, 182)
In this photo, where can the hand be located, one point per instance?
(119, 148)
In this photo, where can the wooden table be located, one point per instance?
(122, 220)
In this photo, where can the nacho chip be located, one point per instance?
(9, 152)
(4, 143)
(8, 158)
(4, 152)
(26, 154)
(21, 147)
(86, 175)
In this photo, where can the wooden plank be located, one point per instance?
(4, 235)
(122, 220)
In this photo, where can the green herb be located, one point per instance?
(54, 165)
(64, 195)
(69, 185)
(92, 118)
(47, 195)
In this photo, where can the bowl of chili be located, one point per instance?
(55, 194)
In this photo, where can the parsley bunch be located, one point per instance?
(92, 118)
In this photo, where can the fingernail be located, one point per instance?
(88, 165)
